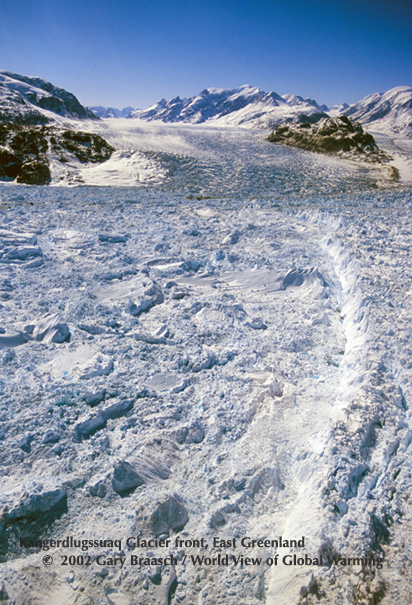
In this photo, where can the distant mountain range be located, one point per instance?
(386, 112)
(245, 106)
(111, 112)
(31, 100)
(389, 112)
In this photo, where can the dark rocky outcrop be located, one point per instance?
(34, 173)
(125, 478)
(170, 514)
(29, 141)
(27, 105)
(23, 151)
(87, 147)
(10, 165)
(336, 136)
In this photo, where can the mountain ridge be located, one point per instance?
(389, 111)
(243, 106)
(101, 111)
(248, 106)
(33, 100)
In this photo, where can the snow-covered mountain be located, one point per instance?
(33, 100)
(30, 100)
(247, 106)
(244, 106)
(336, 110)
(389, 112)
(111, 112)
(298, 101)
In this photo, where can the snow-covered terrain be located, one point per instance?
(246, 106)
(41, 125)
(220, 351)
(389, 112)
(111, 112)
(250, 107)
(184, 157)
(32, 100)
(336, 110)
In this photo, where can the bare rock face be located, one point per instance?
(29, 141)
(336, 136)
(171, 514)
(10, 165)
(34, 173)
(125, 478)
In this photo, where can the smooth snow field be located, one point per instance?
(215, 357)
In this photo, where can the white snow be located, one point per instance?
(239, 320)
(246, 106)
(167, 155)
(389, 112)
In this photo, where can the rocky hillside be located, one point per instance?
(29, 100)
(24, 151)
(32, 135)
(337, 136)
(244, 106)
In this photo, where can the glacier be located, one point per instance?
(208, 337)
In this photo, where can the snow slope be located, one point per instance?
(389, 112)
(337, 110)
(30, 100)
(245, 106)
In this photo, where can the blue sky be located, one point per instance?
(135, 52)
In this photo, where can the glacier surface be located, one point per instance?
(222, 350)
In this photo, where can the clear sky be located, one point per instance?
(127, 52)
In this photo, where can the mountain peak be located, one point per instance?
(245, 105)
(389, 111)
(32, 100)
